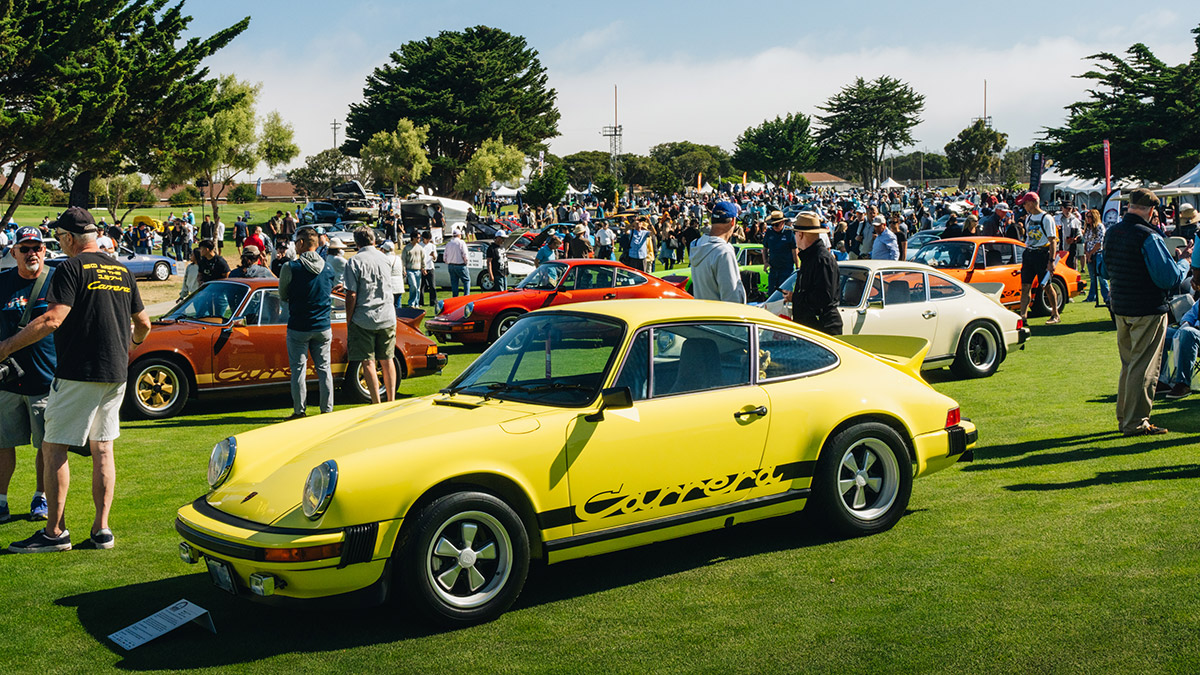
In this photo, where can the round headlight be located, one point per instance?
(221, 461)
(439, 305)
(470, 307)
(318, 489)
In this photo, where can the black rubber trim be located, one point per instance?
(205, 509)
(360, 544)
(674, 521)
(957, 440)
(219, 546)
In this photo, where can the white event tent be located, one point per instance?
(891, 184)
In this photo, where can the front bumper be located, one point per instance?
(457, 331)
(357, 576)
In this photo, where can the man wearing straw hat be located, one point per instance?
(815, 299)
(780, 243)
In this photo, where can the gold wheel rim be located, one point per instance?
(157, 387)
(362, 379)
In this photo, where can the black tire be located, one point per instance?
(431, 559)
(980, 350)
(1040, 307)
(162, 271)
(355, 384)
(848, 506)
(502, 322)
(485, 283)
(158, 388)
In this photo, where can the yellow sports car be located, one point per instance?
(582, 430)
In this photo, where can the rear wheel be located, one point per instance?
(356, 380)
(1041, 307)
(485, 283)
(979, 350)
(465, 558)
(863, 480)
(162, 271)
(157, 389)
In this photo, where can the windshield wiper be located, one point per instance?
(498, 387)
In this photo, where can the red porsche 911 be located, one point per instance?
(483, 317)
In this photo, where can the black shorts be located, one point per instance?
(1033, 264)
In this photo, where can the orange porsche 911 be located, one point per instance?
(991, 260)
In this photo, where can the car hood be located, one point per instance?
(273, 462)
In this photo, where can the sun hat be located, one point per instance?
(776, 217)
(807, 221)
(580, 228)
(336, 245)
(1188, 215)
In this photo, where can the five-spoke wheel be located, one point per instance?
(157, 388)
(863, 480)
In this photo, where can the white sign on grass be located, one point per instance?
(162, 622)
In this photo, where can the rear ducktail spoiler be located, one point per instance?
(906, 353)
(412, 317)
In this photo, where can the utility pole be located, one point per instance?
(335, 125)
(613, 133)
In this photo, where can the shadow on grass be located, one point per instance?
(1026, 447)
(248, 631)
(1114, 477)
(1052, 330)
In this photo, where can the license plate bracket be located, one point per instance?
(221, 574)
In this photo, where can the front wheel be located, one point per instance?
(979, 351)
(503, 322)
(863, 481)
(465, 559)
(162, 271)
(157, 389)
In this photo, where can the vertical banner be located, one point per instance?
(743, 182)
(542, 163)
(698, 177)
(789, 178)
(1036, 162)
(1112, 209)
(1107, 167)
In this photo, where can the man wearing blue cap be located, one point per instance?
(715, 273)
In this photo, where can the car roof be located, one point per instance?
(641, 311)
(890, 264)
(980, 240)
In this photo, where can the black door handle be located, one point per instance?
(610, 296)
(760, 411)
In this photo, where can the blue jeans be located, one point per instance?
(413, 279)
(458, 275)
(1098, 283)
(1178, 366)
(299, 345)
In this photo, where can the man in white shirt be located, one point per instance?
(456, 259)
(1070, 232)
(427, 279)
(105, 242)
(604, 242)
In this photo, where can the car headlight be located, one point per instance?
(440, 305)
(468, 310)
(221, 461)
(318, 489)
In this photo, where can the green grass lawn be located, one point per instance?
(1063, 547)
(260, 212)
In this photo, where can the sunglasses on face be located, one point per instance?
(29, 249)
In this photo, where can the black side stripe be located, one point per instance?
(674, 521)
(567, 516)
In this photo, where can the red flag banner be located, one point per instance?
(1107, 167)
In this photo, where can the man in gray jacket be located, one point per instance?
(715, 274)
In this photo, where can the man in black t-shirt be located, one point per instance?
(212, 266)
(497, 263)
(92, 299)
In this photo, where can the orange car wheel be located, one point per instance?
(157, 388)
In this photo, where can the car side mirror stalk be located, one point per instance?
(616, 398)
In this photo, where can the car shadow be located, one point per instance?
(248, 631)
(1116, 477)
(1098, 326)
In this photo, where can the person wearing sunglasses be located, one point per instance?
(25, 377)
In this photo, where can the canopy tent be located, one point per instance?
(572, 191)
(706, 190)
(891, 184)
(503, 191)
(1187, 184)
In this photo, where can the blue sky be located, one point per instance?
(705, 71)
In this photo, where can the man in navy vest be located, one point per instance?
(1141, 273)
(306, 284)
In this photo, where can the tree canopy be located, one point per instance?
(493, 161)
(976, 149)
(397, 157)
(583, 167)
(777, 147)
(686, 160)
(864, 120)
(103, 86)
(1148, 111)
(915, 165)
(548, 188)
(320, 173)
(466, 86)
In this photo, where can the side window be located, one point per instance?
(699, 357)
(570, 283)
(635, 374)
(941, 288)
(625, 279)
(274, 312)
(980, 258)
(250, 314)
(785, 355)
(854, 282)
(754, 256)
(902, 287)
(876, 291)
(999, 254)
(339, 309)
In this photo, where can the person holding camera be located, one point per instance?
(26, 375)
(92, 300)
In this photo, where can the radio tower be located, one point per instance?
(614, 140)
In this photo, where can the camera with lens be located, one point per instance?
(10, 371)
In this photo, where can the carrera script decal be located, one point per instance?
(610, 504)
(235, 374)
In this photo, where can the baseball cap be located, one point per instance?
(250, 251)
(76, 220)
(725, 211)
(1028, 196)
(879, 220)
(1002, 207)
(27, 233)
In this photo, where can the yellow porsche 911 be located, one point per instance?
(580, 431)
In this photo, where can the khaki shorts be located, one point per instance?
(366, 343)
(22, 419)
(78, 412)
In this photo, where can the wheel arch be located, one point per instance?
(895, 423)
(1000, 345)
(500, 486)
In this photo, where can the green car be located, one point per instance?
(750, 262)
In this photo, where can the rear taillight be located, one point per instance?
(1020, 323)
(953, 417)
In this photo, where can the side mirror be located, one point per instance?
(613, 397)
(239, 322)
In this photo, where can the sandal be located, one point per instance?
(1052, 321)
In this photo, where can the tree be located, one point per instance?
(467, 87)
(918, 165)
(643, 170)
(227, 143)
(583, 167)
(688, 159)
(398, 156)
(492, 162)
(548, 188)
(320, 173)
(1147, 110)
(974, 151)
(102, 86)
(864, 120)
(242, 193)
(606, 186)
(1014, 167)
(777, 147)
(119, 191)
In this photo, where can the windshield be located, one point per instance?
(852, 281)
(952, 254)
(544, 278)
(215, 302)
(551, 359)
